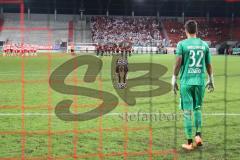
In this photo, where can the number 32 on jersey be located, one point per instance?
(196, 63)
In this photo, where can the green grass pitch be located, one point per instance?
(39, 134)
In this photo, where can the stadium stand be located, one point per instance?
(236, 31)
(40, 29)
(174, 30)
(1, 24)
(140, 31)
(83, 29)
(70, 31)
(216, 30)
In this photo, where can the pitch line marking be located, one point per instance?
(117, 114)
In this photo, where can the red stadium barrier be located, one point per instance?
(70, 31)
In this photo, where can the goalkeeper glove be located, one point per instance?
(210, 84)
(174, 84)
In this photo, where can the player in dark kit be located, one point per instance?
(121, 72)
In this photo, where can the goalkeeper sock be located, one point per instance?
(198, 134)
(198, 120)
(188, 123)
(190, 141)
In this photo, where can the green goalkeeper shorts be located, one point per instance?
(191, 96)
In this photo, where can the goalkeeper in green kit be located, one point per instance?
(193, 59)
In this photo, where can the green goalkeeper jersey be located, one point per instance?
(195, 55)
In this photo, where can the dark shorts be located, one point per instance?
(118, 69)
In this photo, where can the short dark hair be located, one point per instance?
(191, 26)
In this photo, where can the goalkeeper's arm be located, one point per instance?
(210, 82)
(176, 70)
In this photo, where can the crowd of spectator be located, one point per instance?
(139, 31)
(147, 31)
(214, 30)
